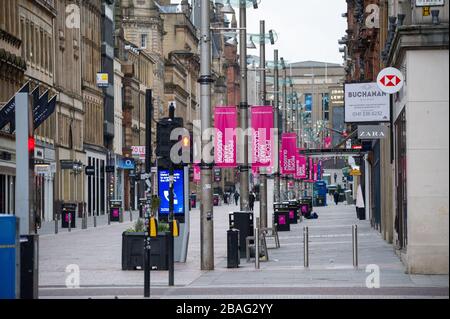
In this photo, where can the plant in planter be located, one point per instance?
(133, 246)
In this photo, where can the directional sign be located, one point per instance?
(390, 80)
(7, 113)
(44, 109)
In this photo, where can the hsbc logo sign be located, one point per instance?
(390, 80)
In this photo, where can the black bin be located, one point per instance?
(68, 211)
(193, 200)
(281, 218)
(29, 268)
(115, 211)
(242, 221)
(294, 208)
(233, 259)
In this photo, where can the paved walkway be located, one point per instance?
(97, 252)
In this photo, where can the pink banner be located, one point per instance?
(197, 174)
(327, 142)
(225, 119)
(301, 167)
(262, 137)
(315, 172)
(288, 151)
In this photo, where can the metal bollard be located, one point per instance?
(355, 245)
(257, 244)
(70, 222)
(84, 224)
(95, 219)
(306, 246)
(56, 224)
(131, 215)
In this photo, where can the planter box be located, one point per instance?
(133, 251)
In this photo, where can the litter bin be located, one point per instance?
(115, 211)
(68, 212)
(233, 259)
(193, 200)
(216, 199)
(293, 211)
(281, 217)
(29, 266)
(242, 221)
(349, 197)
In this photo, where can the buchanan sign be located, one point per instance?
(365, 102)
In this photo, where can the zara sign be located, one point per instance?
(372, 132)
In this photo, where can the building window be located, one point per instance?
(144, 38)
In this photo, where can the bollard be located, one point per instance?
(56, 223)
(306, 246)
(95, 219)
(355, 245)
(131, 215)
(84, 225)
(257, 244)
(70, 222)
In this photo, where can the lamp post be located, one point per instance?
(278, 124)
(205, 80)
(263, 170)
(243, 106)
(284, 189)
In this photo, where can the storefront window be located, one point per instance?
(401, 179)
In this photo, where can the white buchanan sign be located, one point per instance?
(425, 3)
(365, 102)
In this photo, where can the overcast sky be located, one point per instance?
(308, 29)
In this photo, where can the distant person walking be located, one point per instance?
(251, 200)
(236, 197)
(335, 178)
(336, 197)
(360, 207)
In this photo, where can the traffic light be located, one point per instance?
(165, 144)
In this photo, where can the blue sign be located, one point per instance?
(308, 102)
(127, 164)
(178, 189)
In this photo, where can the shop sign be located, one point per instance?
(425, 3)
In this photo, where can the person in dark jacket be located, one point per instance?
(236, 197)
(251, 200)
(336, 198)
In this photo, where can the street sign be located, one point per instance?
(390, 80)
(138, 152)
(366, 102)
(426, 3)
(43, 109)
(110, 169)
(7, 113)
(102, 80)
(90, 170)
(372, 132)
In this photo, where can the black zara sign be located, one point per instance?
(372, 132)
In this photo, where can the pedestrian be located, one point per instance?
(335, 178)
(336, 197)
(360, 207)
(236, 197)
(225, 198)
(251, 200)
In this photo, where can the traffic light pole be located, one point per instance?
(205, 80)
(148, 169)
(243, 106)
(171, 214)
(284, 190)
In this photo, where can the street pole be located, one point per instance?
(148, 170)
(171, 212)
(205, 80)
(243, 106)
(277, 126)
(262, 170)
(285, 127)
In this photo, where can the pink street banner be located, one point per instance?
(327, 142)
(315, 172)
(262, 138)
(301, 166)
(225, 119)
(197, 174)
(288, 151)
